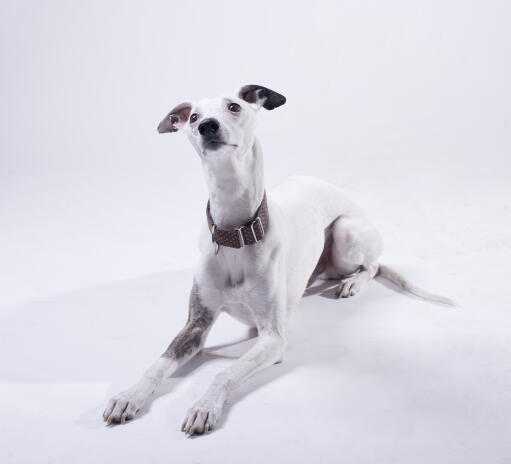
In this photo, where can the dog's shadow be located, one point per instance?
(325, 289)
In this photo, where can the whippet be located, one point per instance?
(259, 250)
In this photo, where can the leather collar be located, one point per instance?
(248, 234)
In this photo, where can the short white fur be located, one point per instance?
(313, 229)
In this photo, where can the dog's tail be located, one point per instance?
(397, 279)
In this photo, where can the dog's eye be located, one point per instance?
(194, 117)
(234, 107)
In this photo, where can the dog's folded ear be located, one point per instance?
(175, 119)
(261, 96)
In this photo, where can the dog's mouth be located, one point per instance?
(214, 144)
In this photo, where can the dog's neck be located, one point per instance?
(236, 187)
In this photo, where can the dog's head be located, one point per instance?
(223, 124)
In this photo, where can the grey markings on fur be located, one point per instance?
(199, 321)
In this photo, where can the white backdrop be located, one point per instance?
(406, 104)
(398, 98)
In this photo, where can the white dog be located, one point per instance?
(259, 251)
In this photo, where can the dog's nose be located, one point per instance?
(209, 126)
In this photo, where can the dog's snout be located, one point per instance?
(209, 126)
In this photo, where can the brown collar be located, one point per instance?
(250, 233)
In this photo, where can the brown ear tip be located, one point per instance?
(252, 93)
(278, 100)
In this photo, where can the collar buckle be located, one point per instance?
(258, 218)
(240, 236)
(215, 243)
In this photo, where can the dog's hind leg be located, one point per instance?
(356, 247)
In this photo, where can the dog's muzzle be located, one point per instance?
(209, 129)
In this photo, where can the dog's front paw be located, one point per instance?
(123, 407)
(203, 416)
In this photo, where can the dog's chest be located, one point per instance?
(235, 265)
(238, 300)
(238, 287)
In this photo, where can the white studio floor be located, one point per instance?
(381, 377)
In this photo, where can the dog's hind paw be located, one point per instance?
(351, 285)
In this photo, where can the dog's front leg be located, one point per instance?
(185, 345)
(204, 415)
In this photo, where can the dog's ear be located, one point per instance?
(175, 119)
(261, 96)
